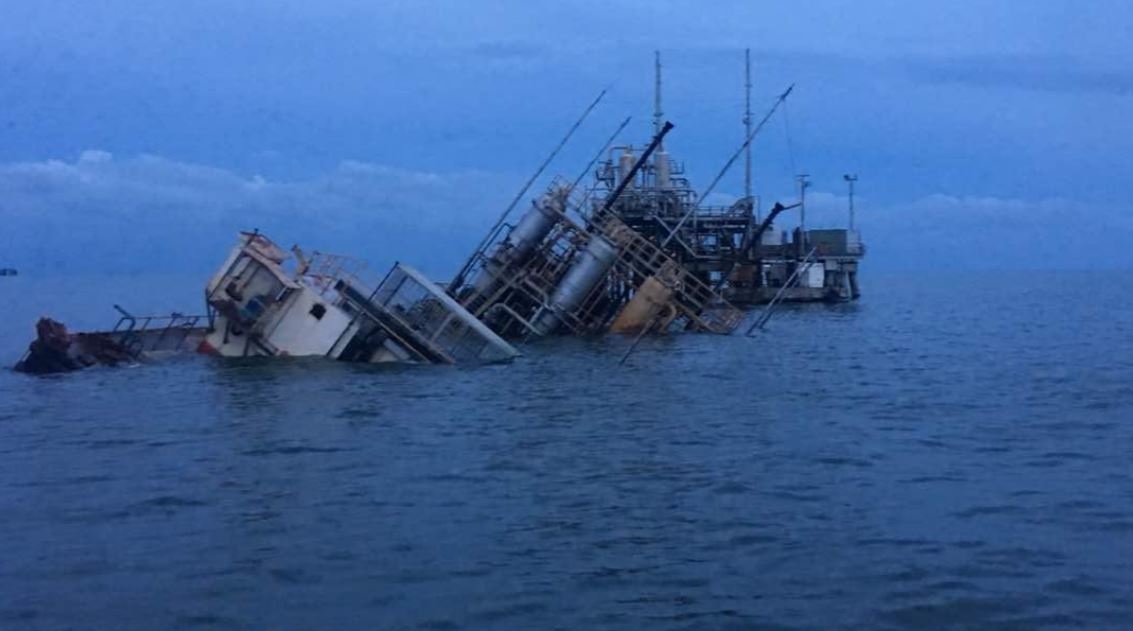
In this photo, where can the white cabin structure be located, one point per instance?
(265, 302)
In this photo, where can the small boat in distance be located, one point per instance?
(8, 271)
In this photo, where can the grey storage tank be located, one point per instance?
(533, 228)
(589, 267)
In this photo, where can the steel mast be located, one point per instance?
(657, 114)
(804, 183)
(747, 132)
(850, 179)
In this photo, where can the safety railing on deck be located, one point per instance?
(140, 334)
(327, 269)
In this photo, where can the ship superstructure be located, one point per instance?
(558, 271)
(326, 306)
(730, 248)
(637, 251)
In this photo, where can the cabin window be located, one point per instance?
(318, 310)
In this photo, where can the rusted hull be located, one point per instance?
(55, 350)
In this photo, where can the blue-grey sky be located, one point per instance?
(987, 134)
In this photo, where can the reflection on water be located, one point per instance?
(952, 452)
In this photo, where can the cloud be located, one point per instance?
(103, 213)
(150, 212)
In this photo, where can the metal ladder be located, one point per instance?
(704, 308)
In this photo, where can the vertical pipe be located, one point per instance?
(747, 131)
(613, 197)
(803, 184)
(657, 115)
(598, 156)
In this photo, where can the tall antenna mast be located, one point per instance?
(850, 179)
(804, 184)
(747, 131)
(657, 115)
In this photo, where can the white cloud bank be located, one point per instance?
(102, 213)
(99, 212)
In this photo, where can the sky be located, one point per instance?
(986, 134)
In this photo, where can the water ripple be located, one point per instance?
(907, 463)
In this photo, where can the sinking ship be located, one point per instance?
(553, 272)
(634, 252)
(264, 301)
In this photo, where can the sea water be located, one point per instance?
(953, 450)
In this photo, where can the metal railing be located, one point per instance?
(327, 269)
(137, 333)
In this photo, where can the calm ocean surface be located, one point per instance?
(954, 451)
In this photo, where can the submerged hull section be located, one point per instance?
(55, 350)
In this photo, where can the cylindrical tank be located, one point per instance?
(531, 229)
(661, 164)
(625, 165)
(527, 234)
(586, 271)
(648, 300)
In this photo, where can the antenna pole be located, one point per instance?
(803, 184)
(657, 114)
(747, 132)
(850, 179)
